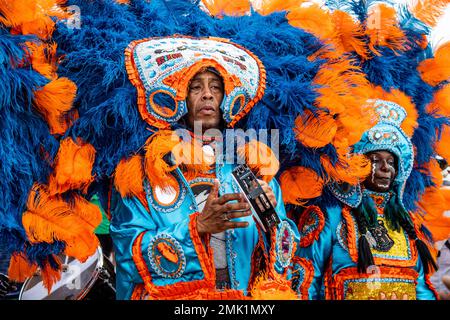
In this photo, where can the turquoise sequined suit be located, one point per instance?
(171, 227)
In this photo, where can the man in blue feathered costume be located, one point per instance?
(187, 232)
(370, 247)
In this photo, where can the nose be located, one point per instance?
(384, 166)
(206, 93)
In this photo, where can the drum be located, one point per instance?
(92, 280)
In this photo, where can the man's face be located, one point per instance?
(203, 100)
(384, 171)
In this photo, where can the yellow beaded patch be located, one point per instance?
(374, 289)
(380, 283)
(400, 251)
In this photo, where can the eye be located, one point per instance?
(195, 87)
(216, 87)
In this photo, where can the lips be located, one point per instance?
(207, 110)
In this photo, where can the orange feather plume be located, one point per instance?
(129, 176)
(43, 58)
(315, 130)
(157, 170)
(337, 29)
(312, 19)
(383, 30)
(299, 184)
(338, 78)
(49, 275)
(31, 16)
(348, 35)
(129, 179)
(442, 146)
(89, 217)
(266, 7)
(437, 69)
(260, 158)
(54, 101)
(441, 102)
(351, 169)
(434, 203)
(50, 218)
(273, 288)
(20, 267)
(186, 154)
(190, 157)
(73, 166)
(344, 90)
(220, 8)
(429, 11)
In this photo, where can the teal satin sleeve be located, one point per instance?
(168, 251)
(319, 252)
(423, 290)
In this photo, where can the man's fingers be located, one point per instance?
(234, 225)
(229, 197)
(238, 214)
(215, 188)
(268, 191)
(235, 207)
(262, 183)
(273, 201)
(214, 192)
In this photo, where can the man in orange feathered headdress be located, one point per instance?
(184, 230)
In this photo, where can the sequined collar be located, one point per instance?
(379, 198)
